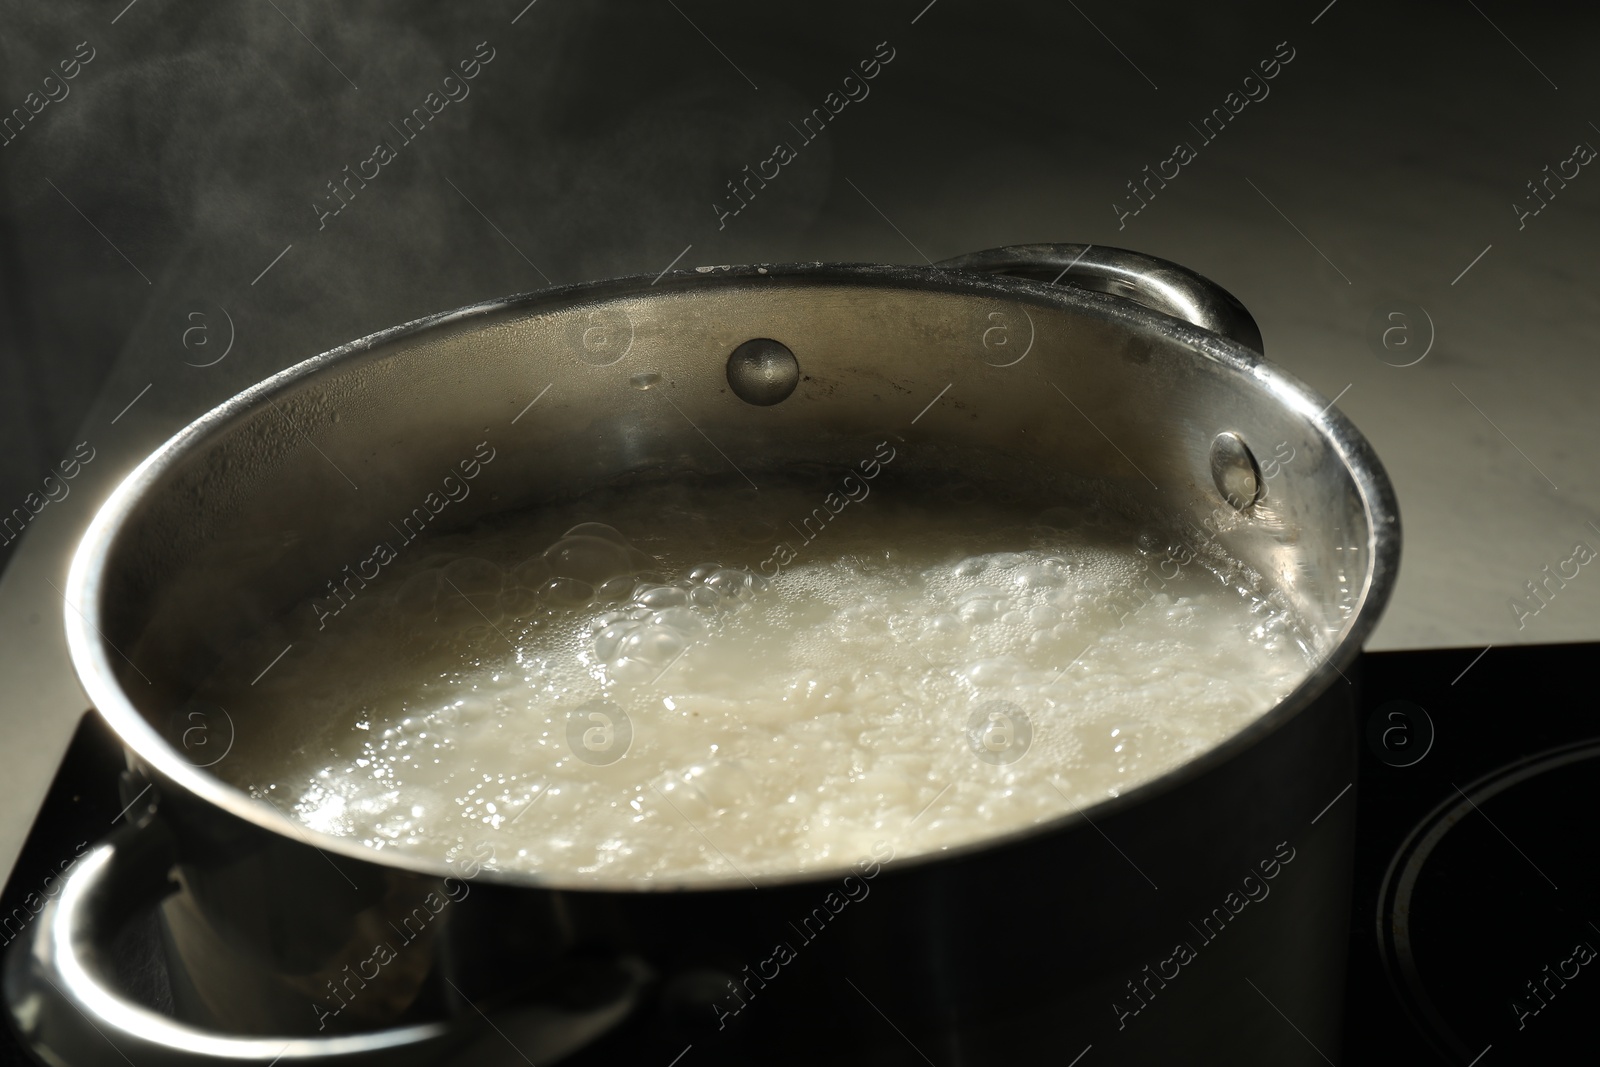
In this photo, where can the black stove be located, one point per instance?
(1475, 924)
(1477, 911)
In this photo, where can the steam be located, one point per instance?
(202, 139)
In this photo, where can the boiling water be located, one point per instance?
(717, 683)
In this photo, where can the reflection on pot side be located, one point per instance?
(854, 889)
(1255, 890)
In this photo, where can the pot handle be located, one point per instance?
(1154, 283)
(53, 985)
(53, 981)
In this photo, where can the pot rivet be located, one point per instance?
(763, 372)
(1234, 471)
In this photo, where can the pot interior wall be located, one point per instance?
(1049, 394)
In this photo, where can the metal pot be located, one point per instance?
(1206, 910)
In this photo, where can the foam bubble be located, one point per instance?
(788, 715)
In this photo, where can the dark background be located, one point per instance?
(1388, 155)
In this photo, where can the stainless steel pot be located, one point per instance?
(1054, 369)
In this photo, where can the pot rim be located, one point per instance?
(96, 674)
